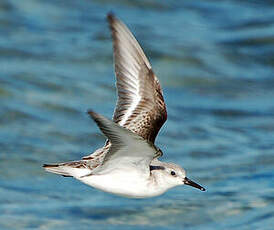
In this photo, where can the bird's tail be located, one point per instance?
(68, 169)
(57, 169)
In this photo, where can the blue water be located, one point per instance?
(215, 63)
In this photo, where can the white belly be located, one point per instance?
(133, 185)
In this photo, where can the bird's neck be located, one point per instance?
(157, 182)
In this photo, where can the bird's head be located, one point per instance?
(173, 175)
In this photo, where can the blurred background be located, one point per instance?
(215, 63)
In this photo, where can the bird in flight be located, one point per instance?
(128, 165)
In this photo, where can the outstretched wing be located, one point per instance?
(140, 106)
(127, 148)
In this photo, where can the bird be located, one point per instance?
(128, 164)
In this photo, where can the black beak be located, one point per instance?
(193, 184)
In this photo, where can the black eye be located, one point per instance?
(172, 173)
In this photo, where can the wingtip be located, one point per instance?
(110, 17)
(91, 113)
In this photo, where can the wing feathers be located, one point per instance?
(124, 143)
(140, 107)
(140, 97)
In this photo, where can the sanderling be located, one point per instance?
(128, 165)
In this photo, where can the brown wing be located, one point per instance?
(140, 106)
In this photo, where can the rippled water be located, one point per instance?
(215, 63)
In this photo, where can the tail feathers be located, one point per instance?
(69, 169)
(57, 169)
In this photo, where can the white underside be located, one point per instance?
(119, 182)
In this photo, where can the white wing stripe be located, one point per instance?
(132, 107)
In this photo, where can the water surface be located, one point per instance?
(215, 63)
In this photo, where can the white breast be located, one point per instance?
(125, 184)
